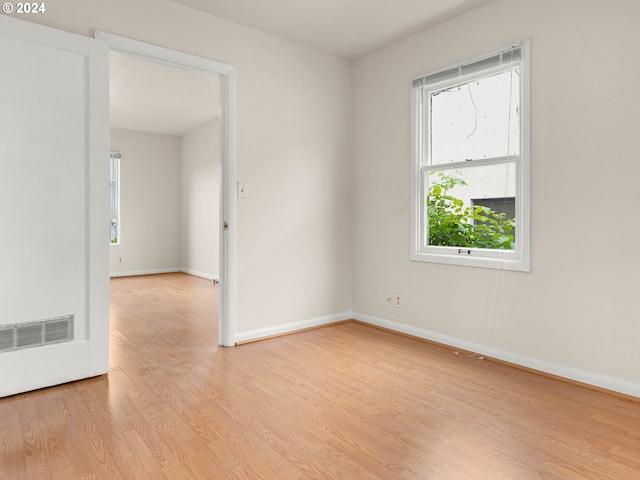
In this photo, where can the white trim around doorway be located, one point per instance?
(227, 75)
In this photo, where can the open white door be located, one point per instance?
(54, 173)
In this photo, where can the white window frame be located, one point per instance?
(518, 259)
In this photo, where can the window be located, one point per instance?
(470, 162)
(114, 197)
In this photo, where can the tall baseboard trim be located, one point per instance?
(264, 333)
(569, 373)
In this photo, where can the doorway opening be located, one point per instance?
(190, 227)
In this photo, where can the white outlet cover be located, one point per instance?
(397, 300)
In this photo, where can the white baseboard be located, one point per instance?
(292, 327)
(165, 270)
(144, 272)
(195, 273)
(583, 376)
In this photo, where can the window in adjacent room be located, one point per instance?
(470, 162)
(114, 197)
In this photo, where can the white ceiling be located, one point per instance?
(347, 28)
(155, 98)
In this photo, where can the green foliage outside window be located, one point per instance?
(452, 224)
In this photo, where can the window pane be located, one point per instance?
(506, 205)
(113, 198)
(477, 119)
(114, 232)
(456, 216)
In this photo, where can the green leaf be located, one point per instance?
(451, 223)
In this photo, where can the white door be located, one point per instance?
(54, 211)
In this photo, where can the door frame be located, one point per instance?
(227, 76)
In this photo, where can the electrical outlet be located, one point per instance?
(397, 301)
(120, 260)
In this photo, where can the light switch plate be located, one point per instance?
(243, 190)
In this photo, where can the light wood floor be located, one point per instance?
(342, 402)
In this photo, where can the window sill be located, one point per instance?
(454, 258)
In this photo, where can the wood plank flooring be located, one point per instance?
(342, 402)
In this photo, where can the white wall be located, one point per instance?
(169, 202)
(578, 307)
(294, 115)
(200, 171)
(150, 202)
